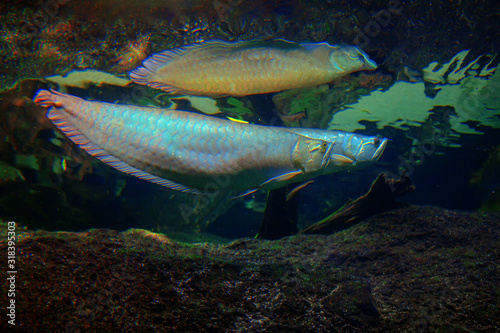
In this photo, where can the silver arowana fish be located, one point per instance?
(192, 152)
(219, 68)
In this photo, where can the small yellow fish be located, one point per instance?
(238, 120)
(219, 68)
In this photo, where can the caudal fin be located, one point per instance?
(47, 98)
(140, 76)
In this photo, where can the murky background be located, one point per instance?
(435, 94)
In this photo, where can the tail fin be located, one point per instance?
(47, 98)
(140, 76)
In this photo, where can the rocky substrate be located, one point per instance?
(414, 269)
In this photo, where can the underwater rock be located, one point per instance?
(133, 53)
(412, 269)
(10, 174)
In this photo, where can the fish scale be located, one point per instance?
(186, 151)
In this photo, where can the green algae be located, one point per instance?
(406, 104)
(237, 109)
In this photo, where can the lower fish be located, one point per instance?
(200, 154)
(219, 68)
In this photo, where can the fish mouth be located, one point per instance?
(370, 63)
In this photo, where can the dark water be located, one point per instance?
(50, 183)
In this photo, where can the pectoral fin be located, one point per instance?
(340, 159)
(282, 178)
(277, 179)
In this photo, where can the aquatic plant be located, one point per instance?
(204, 104)
(294, 105)
(453, 71)
(85, 79)
(237, 109)
(474, 98)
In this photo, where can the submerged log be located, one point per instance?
(379, 198)
(280, 216)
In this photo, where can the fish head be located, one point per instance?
(348, 59)
(355, 151)
(364, 149)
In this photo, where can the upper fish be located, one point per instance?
(201, 154)
(220, 68)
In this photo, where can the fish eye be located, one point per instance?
(353, 54)
(376, 141)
